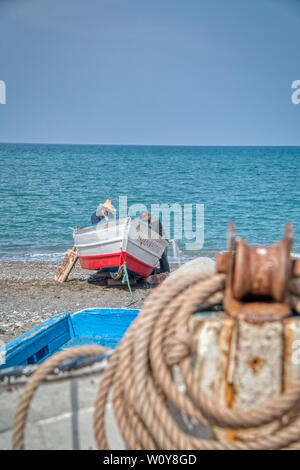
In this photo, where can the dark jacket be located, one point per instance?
(156, 225)
(96, 218)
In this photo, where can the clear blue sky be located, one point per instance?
(190, 72)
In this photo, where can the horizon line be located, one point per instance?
(151, 145)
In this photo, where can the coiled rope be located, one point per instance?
(139, 379)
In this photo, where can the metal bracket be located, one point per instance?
(257, 278)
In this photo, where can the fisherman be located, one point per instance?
(104, 211)
(155, 224)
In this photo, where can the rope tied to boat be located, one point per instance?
(139, 378)
(126, 279)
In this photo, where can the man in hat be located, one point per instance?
(104, 211)
(155, 224)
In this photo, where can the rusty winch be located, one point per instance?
(257, 278)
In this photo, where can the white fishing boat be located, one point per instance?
(111, 244)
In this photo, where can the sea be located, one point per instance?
(47, 190)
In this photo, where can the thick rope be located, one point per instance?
(139, 378)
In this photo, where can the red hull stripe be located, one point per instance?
(114, 260)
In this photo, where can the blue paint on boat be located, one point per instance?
(100, 326)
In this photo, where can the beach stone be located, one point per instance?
(197, 265)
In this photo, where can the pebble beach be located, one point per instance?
(30, 296)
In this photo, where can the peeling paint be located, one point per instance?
(243, 365)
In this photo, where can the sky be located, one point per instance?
(152, 72)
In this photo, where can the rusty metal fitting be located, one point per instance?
(257, 278)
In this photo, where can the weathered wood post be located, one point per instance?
(244, 365)
(250, 355)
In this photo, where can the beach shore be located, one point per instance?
(30, 296)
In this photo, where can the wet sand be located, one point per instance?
(29, 295)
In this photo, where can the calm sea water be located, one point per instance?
(45, 189)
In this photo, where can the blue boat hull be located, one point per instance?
(104, 327)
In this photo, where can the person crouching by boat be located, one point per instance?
(155, 224)
(104, 212)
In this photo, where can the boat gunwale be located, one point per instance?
(15, 344)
